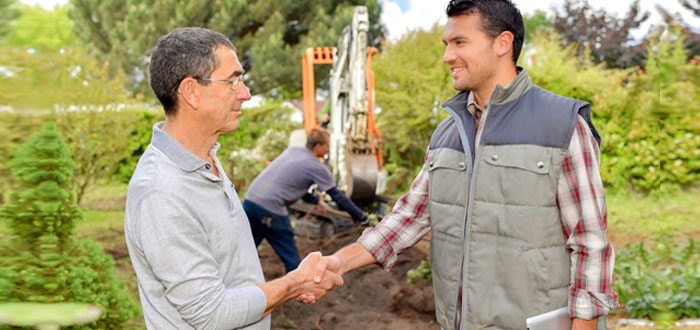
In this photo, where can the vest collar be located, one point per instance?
(521, 84)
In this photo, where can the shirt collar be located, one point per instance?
(176, 152)
(472, 106)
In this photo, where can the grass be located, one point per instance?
(634, 217)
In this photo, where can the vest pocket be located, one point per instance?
(516, 174)
(447, 173)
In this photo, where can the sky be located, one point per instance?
(401, 16)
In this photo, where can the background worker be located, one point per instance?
(284, 181)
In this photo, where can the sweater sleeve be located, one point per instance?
(178, 252)
(346, 204)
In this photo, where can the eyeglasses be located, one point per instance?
(234, 82)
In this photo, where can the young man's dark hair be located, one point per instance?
(184, 52)
(496, 16)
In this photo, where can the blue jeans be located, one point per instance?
(277, 230)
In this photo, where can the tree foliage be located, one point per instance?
(42, 80)
(270, 35)
(603, 34)
(648, 119)
(31, 29)
(411, 83)
(536, 22)
(41, 262)
(91, 109)
(691, 39)
(100, 140)
(8, 13)
(692, 5)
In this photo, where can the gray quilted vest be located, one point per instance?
(496, 229)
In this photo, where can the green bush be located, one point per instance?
(139, 138)
(660, 281)
(664, 112)
(262, 136)
(40, 261)
(411, 83)
(422, 273)
(647, 119)
(100, 141)
(15, 129)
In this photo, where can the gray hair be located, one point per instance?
(182, 53)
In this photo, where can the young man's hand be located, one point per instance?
(581, 324)
(317, 275)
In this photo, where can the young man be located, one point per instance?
(284, 181)
(523, 231)
(187, 234)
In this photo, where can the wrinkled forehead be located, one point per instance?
(227, 61)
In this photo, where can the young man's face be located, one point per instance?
(222, 105)
(469, 52)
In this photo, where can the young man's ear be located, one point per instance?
(503, 43)
(190, 92)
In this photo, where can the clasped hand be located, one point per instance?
(318, 275)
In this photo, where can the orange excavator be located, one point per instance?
(355, 155)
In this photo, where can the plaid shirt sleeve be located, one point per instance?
(403, 227)
(581, 202)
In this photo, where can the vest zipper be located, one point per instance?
(471, 164)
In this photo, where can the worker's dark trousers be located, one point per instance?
(277, 230)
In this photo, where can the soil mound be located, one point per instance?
(371, 297)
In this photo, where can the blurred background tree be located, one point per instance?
(410, 102)
(536, 22)
(270, 35)
(31, 29)
(692, 5)
(603, 34)
(8, 13)
(691, 38)
(42, 261)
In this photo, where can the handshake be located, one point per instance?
(315, 276)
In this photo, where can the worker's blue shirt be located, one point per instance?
(287, 179)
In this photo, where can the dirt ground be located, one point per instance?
(371, 297)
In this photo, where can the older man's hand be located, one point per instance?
(314, 286)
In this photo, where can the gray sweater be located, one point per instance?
(190, 243)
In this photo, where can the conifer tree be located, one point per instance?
(270, 36)
(41, 262)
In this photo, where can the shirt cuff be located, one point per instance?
(588, 305)
(257, 303)
(379, 247)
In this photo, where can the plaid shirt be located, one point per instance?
(583, 212)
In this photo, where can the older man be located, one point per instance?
(187, 234)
